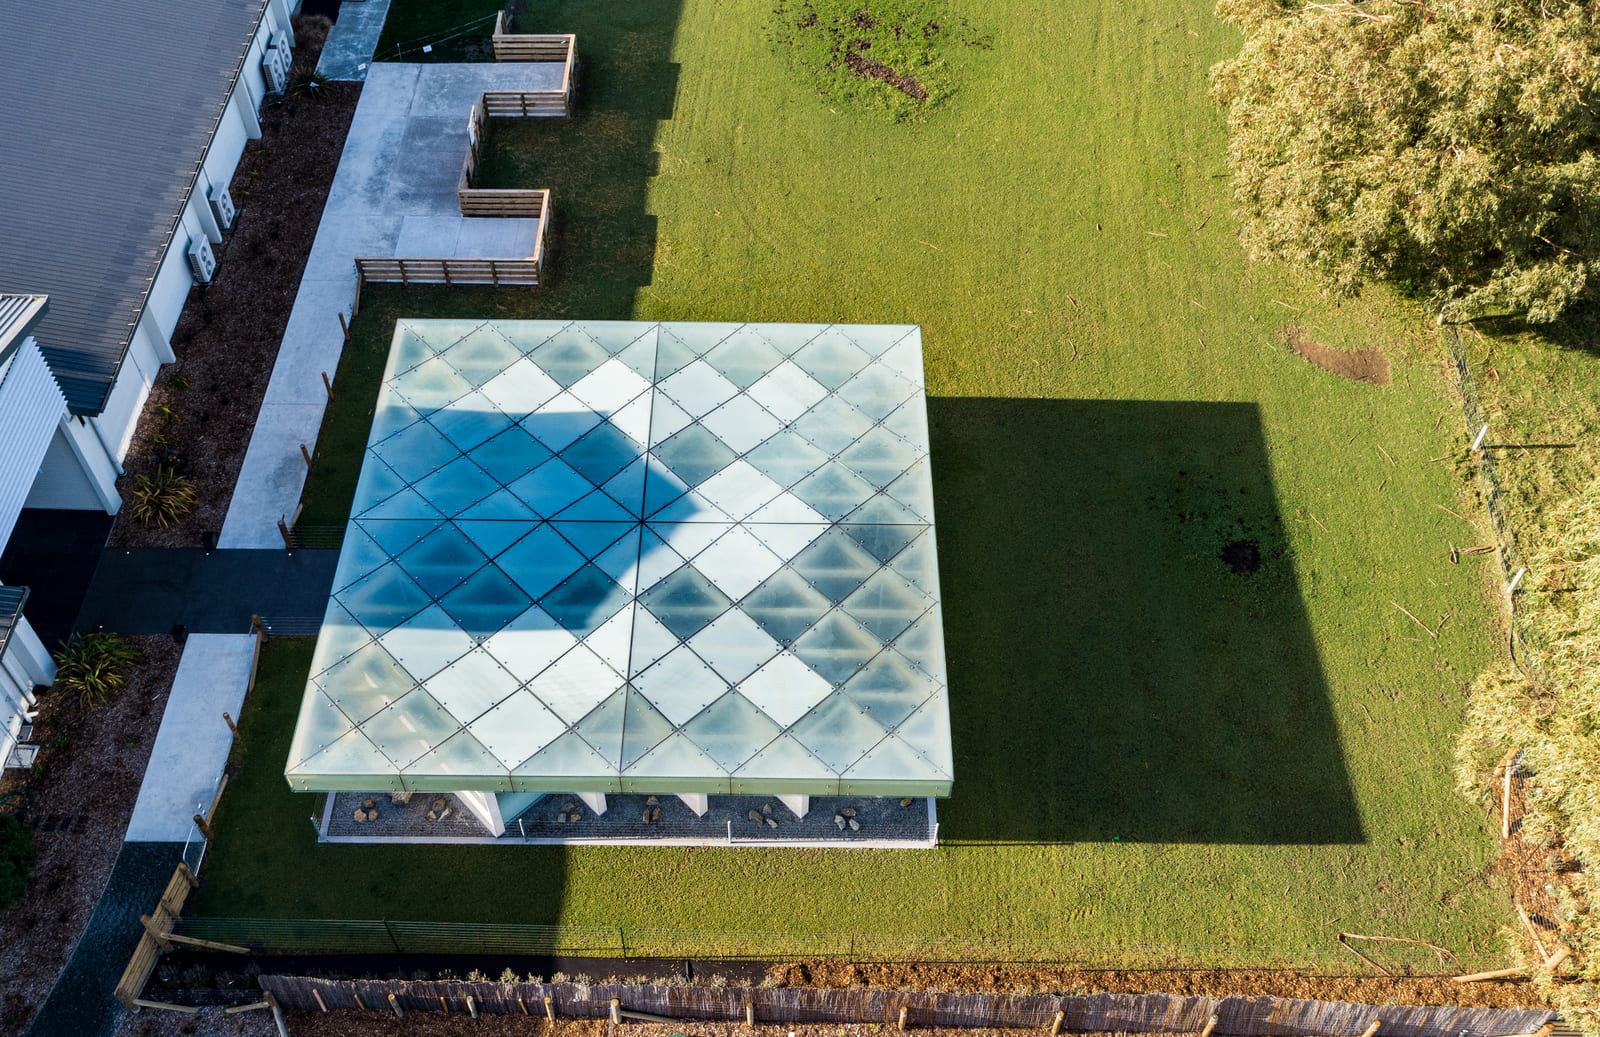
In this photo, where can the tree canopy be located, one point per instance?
(1447, 146)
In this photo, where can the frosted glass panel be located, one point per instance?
(613, 556)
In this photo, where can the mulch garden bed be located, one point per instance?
(1379, 990)
(78, 803)
(354, 1024)
(202, 408)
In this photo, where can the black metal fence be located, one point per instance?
(1127, 1013)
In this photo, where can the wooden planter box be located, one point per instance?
(562, 47)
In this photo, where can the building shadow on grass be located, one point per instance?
(598, 165)
(1130, 658)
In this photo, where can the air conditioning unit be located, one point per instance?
(284, 43)
(222, 206)
(202, 261)
(275, 70)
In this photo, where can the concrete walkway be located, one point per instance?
(348, 52)
(193, 743)
(152, 590)
(393, 195)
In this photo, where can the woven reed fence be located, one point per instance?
(1134, 1013)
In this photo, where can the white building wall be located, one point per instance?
(31, 407)
(25, 664)
(77, 473)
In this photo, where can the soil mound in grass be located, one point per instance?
(1361, 365)
(1379, 990)
(866, 68)
(887, 55)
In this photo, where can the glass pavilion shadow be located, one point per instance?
(626, 557)
(1125, 618)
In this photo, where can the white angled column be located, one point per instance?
(698, 803)
(799, 805)
(595, 801)
(485, 806)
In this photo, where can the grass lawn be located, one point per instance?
(1156, 755)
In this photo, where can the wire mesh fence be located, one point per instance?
(1483, 460)
(353, 936)
(1127, 1013)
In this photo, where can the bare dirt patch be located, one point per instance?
(1418, 990)
(1359, 365)
(866, 68)
(202, 408)
(78, 804)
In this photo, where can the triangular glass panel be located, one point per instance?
(836, 647)
(838, 732)
(731, 730)
(643, 728)
(395, 535)
(602, 728)
(493, 537)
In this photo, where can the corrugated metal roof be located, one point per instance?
(18, 315)
(107, 114)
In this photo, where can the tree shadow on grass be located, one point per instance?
(1130, 658)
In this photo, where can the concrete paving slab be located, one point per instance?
(272, 476)
(347, 54)
(428, 236)
(499, 238)
(192, 745)
(426, 179)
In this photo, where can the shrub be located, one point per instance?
(1448, 148)
(1550, 710)
(92, 666)
(162, 497)
(16, 859)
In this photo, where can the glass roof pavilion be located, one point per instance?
(606, 557)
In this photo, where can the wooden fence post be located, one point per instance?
(204, 826)
(394, 1003)
(472, 1007)
(902, 1023)
(550, 1008)
(749, 1013)
(1508, 767)
(1372, 1031)
(1211, 1024)
(317, 996)
(232, 727)
(277, 1016)
(1061, 1016)
(283, 531)
(155, 932)
(616, 1010)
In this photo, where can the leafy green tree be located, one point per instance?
(1447, 146)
